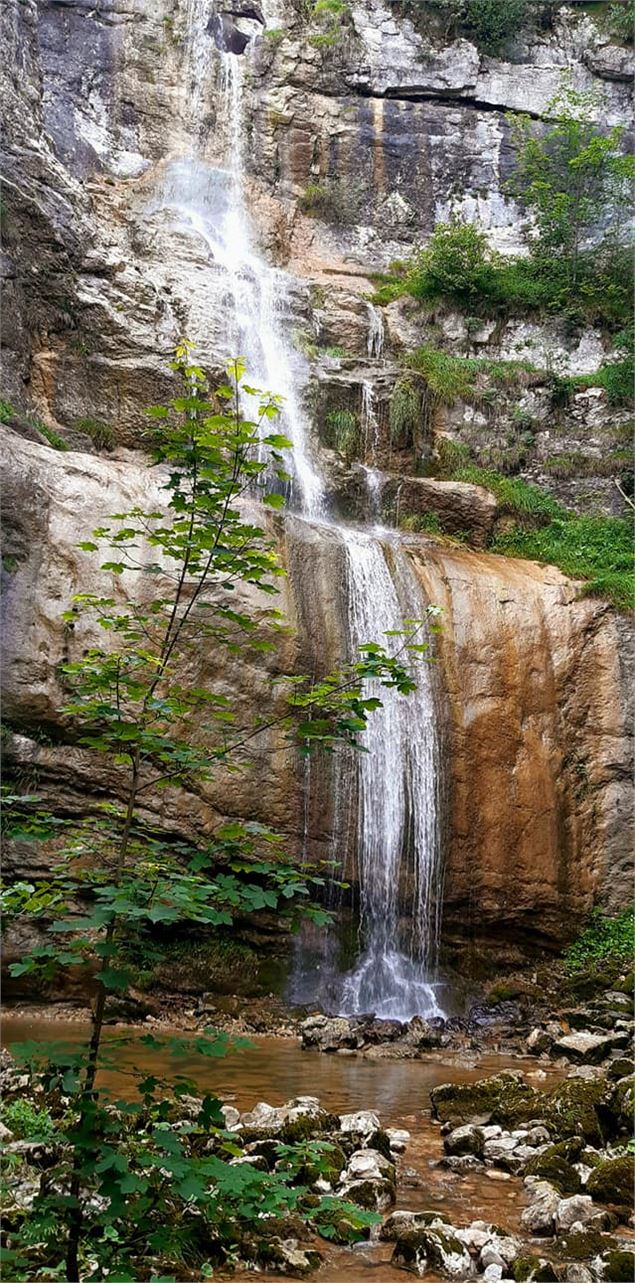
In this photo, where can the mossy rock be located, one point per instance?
(555, 1165)
(307, 1126)
(585, 1245)
(623, 1067)
(380, 1142)
(505, 1098)
(533, 1269)
(624, 1104)
(625, 983)
(618, 1266)
(580, 1108)
(613, 1180)
(432, 1246)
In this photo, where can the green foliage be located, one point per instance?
(456, 263)
(617, 21)
(424, 523)
(451, 378)
(7, 412)
(604, 938)
(54, 439)
(274, 35)
(125, 1192)
(330, 17)
(572, 178)
(101, 434)
(489, 23)
(598, 550)
(515, 496)
(25, 1121)
(343, 432)
(405, 412)
(494, 22)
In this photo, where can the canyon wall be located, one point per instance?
(401, 127)
(535, 702)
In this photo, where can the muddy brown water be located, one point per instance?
(275, 1069)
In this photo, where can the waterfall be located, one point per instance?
(395, 782)
(398, 802)
(375, 343)
(212, 204)
(370, 426)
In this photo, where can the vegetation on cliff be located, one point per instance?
(571, 180)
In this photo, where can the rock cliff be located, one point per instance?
(399, 127)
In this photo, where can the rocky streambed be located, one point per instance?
(478, 1165)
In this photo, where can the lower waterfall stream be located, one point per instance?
(395, 784)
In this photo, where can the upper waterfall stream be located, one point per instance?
(395, 782)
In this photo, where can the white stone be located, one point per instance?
(493, 1273)
(362, 1123)
(398, 1138)
(570, 1210)
(539, 1217)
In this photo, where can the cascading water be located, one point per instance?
(397, 825)
(398, 802)
(211, 203)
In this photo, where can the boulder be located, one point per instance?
(616, 1265)
(398, 1139)
(374, 1194)
(502, 1151)
(538, 1042)
(465, 1140)
(288, 1258)
(402, 1222)
(360, 1124)
(329, 1033)
(583, 1047)
(555, 1164)
(505, 1098)
(539, 1217)
(533, 1269)
(571, 1211)
(368, 1164)
(612, 1181)
(434, 1248)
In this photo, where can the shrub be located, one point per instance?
(572, 178)
(604, 937)
(457, 262)
(404, 412)
(493, 22)
(343, 432)
(26, 1122)
(7, 412)
(617, 20)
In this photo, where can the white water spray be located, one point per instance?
(211, 203)
(398, 803)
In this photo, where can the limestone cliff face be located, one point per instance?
(100, 280)
(533, 697)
